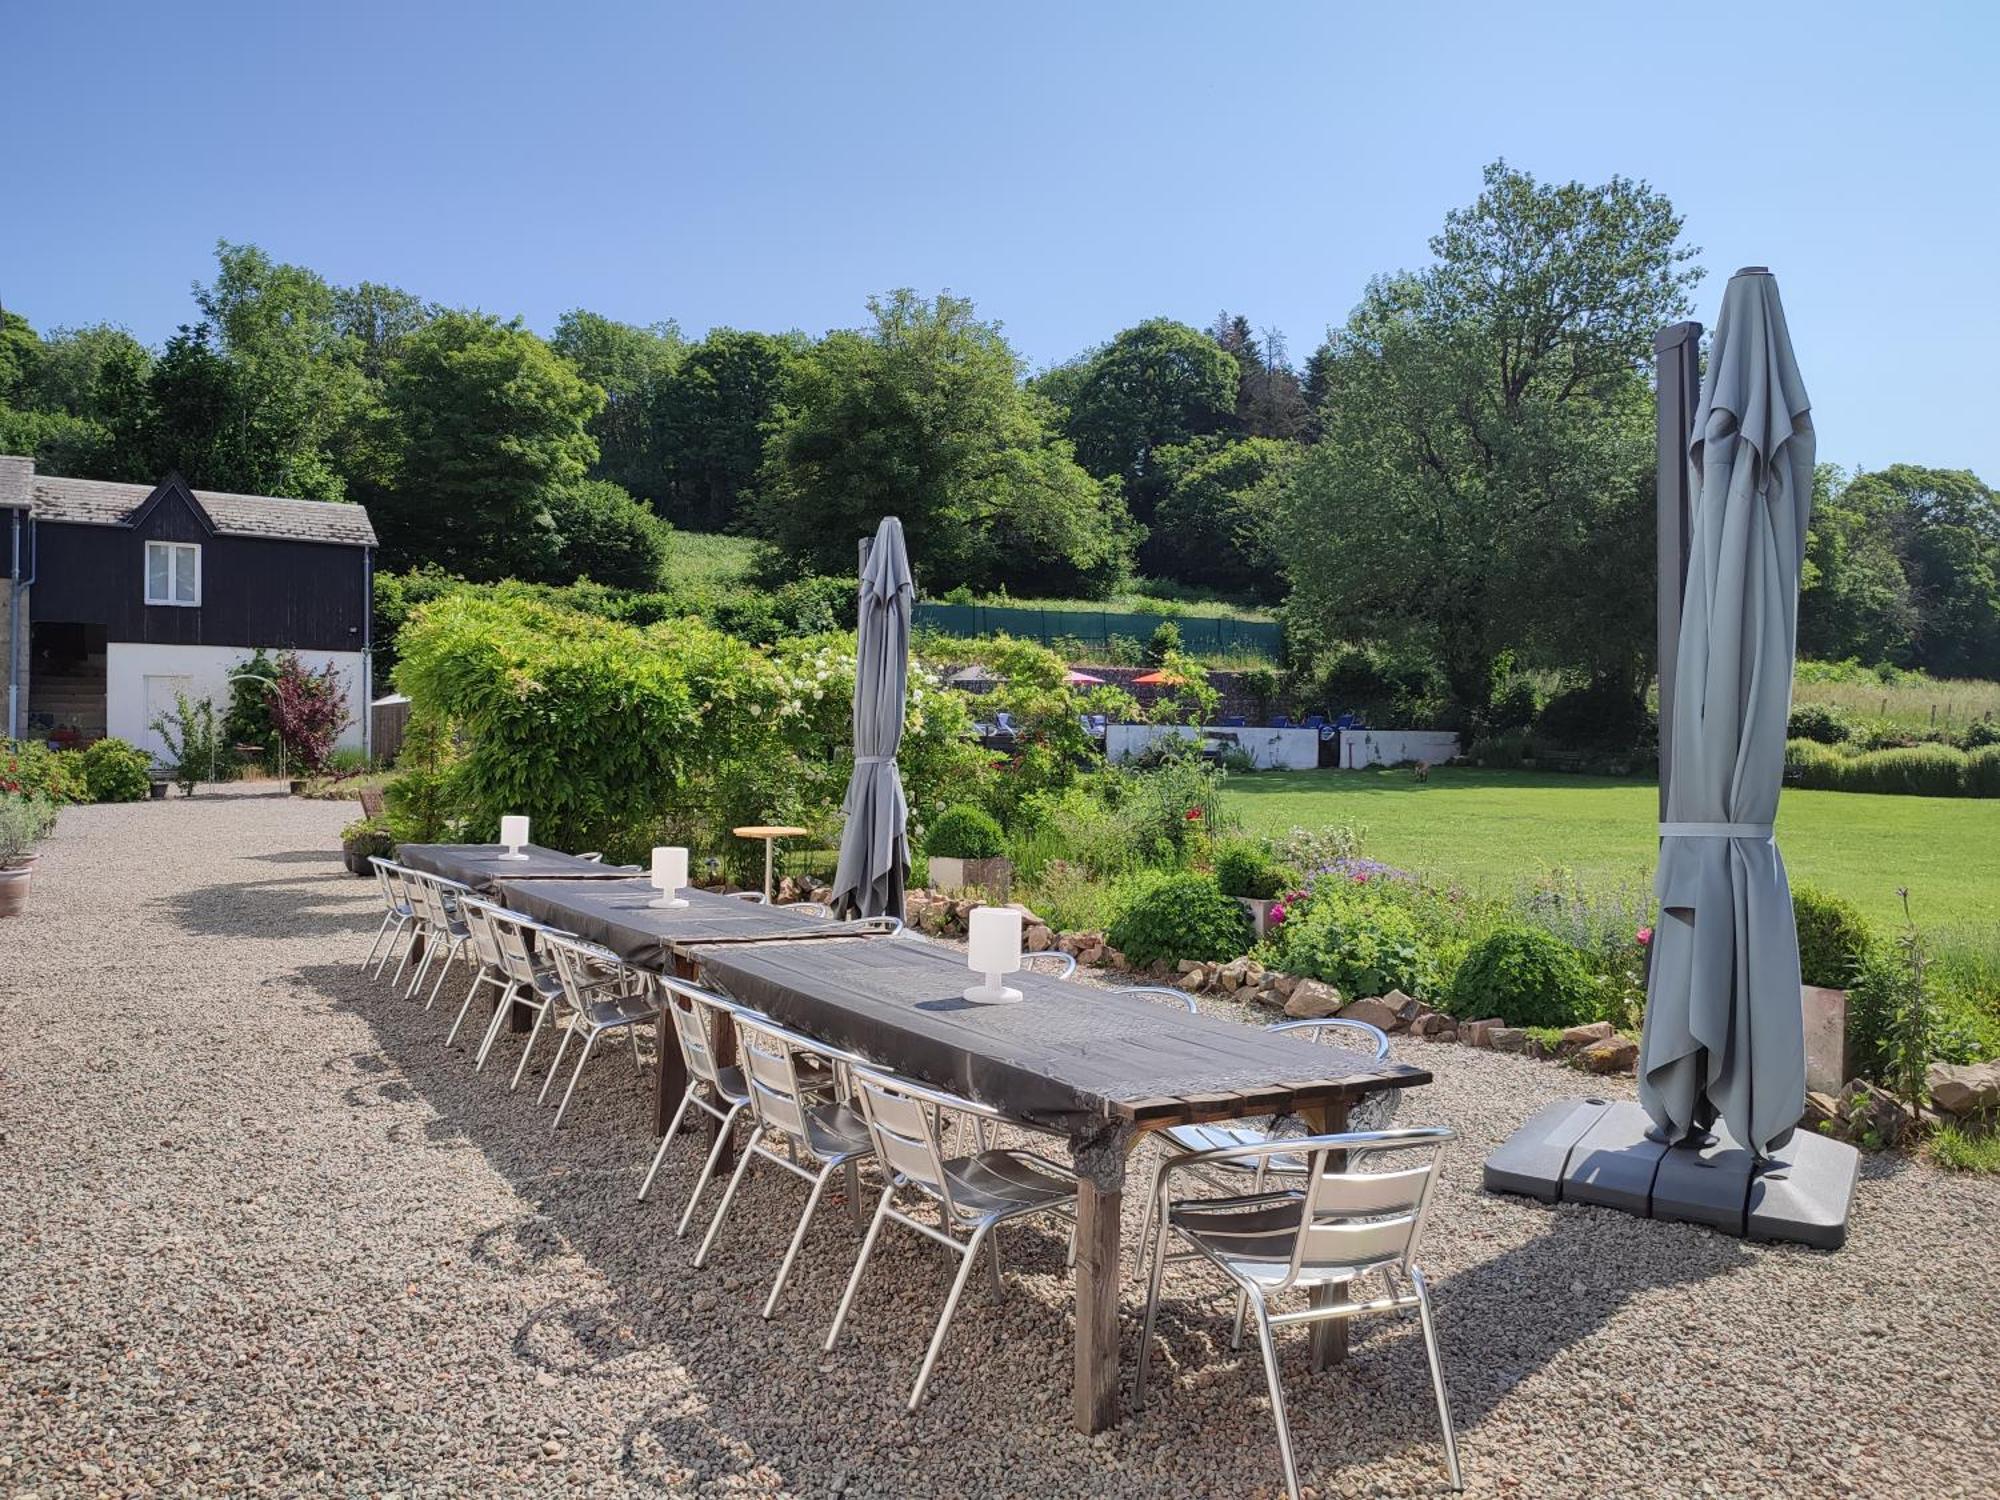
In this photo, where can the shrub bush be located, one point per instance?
(24, 820)
(1916, 770)
(1810, 764)
(1186, 915)
(29, 768)
(1360, 946)
(1821, 723)
(963, 832)
(1982, 772)
(367, 836)
(1165, 641)
(114, 771)
(1527, 978)
(1501, 751)
(1599, 715)
(1834, 938)
(1980, 733)
(1516, 708)
(1243, 868)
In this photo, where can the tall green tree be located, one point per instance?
(74, 400)
(922, 416)
(374, 320)
(1155, 385)
(1269, 400)
(1946, 528)
(1483, 479)
(633, 366)
(1855, 600)
(713, 415)
(1213, 523)
(484, 426)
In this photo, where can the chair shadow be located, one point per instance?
(281, 906)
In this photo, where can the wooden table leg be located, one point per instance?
(1329, 1339)
(1098, 1213)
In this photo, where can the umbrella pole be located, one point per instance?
(1677, 375)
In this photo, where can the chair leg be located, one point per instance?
(458, 1021)
(1243, 1297)
(387, 918)
(492, 1034)
(1153, 1282)
(707, 1169)
(638, 1062)
(673, 1129)
(851, 1184)
(389, 951)
(541, 1015)
(798, 1238)
(423, 968)
(562, 1046)
(728, 1196)
(1437, 1377)
(993, 1256)
(1146, 1225)
(451, 957)
(416, 931)
(1270, 1350)
(944, 1318)
(860, 1265)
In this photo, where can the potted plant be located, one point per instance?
(1244, 870)
(23, 821)
(362, 838)
(963, 847)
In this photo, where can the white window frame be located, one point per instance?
(173, 551)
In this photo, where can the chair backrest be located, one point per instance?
(484, 944)
(390, 877)
(1051, 961)
(902, 1120)
(1160, 994)
(1352, 1216)
(513, 948)
(574, 960)
(875, 926)
(770, 1057)
(1281, 721)
(693, 1013)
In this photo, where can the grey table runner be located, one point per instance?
(1060, 1058)
(480, 865)
(617, 914)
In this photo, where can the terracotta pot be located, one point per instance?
(14, 889)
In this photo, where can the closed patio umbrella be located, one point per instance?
(874, 843)
(1724, 1036)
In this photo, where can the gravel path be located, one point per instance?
(260, 1232)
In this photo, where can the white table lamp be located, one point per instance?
(670, 873)
(514, 833)
(993, 948)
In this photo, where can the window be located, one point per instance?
(173, 573)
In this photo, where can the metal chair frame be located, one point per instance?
(489, 970)
(602, 994)
(445, 927)
(692, 1013)
(397, 911)
(530, 975)
(1339, 1226)
(830, 1134)
(1225, 1135)
(972, 1195)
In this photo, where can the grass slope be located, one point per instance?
(1492, 829)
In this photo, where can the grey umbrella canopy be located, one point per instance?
(874, 843)
(1724, 1036)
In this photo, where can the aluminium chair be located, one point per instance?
(830, 1134)
(1341, 1224)
(445, 928)
(397, 911)
(490, 968)
(695, 1016)
(970, 1195)
(1368, 1046)
(600, 994)
(530, 975)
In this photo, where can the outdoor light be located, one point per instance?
(670, 873)
(513, 833)
(993, 948)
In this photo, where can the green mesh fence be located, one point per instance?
(1096, 627)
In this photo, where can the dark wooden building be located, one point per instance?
(124, 595)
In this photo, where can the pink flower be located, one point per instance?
(1644, 935)
(1277, 916)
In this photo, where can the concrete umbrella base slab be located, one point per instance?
(1598, 1151)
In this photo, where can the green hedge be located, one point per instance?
(1180, 916)
(1526, 977)
(963, 832)
(1907, 770)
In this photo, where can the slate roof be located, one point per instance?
(101, 502)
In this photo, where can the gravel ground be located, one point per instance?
(261, 1233)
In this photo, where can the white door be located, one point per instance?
(161, 703)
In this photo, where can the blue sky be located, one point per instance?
(1071, 167)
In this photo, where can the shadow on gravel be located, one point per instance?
(299, 857)
(287, 906)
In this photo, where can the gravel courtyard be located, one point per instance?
(261, 1233)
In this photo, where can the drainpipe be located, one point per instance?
(368, 652)
(14, 629)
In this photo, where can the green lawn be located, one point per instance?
(1492, 828)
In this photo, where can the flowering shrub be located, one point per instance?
(308, 711)
(1360, 946)
(28, 768)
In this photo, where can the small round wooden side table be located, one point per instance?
(770, 835)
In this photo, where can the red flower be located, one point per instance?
(1194, 815)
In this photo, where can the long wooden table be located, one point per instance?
(1101, 1067)
(488, 870)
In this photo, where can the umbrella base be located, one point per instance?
(1603, 1152)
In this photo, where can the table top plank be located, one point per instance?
(619, 915)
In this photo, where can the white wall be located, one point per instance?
(1269, 749)
(206, 669)
(1386, 747)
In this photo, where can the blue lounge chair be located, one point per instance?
(1234, 721)
(1281, 721)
